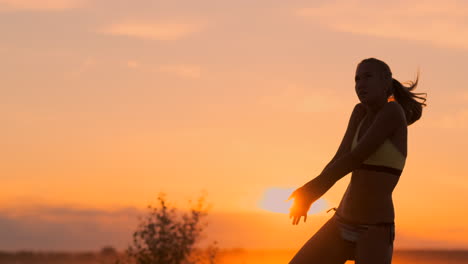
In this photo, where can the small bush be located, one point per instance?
(168, 236)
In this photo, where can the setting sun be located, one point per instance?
(274, 200)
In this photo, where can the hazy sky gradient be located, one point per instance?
(106, 103)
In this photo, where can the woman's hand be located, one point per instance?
(303, 199)
(301, 205)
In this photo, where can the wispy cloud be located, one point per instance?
(87, 64)
(10, 5)
(153, 30)
(300, 99)
(454, 120)
(454, 117)
(440, 23)
(133, 64)
(190, 71)
(60, 228)
(185, 71)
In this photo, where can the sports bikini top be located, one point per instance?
(386, 158)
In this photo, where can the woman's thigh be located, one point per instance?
(325, 247)
(375, 245)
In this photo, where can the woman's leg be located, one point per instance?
(375, 245)
(325, 247)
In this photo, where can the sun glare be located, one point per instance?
(274, 200)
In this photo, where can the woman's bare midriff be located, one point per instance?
(368, 198)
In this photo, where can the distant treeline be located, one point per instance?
(106, 255)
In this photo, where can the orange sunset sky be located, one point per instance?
(106, 103)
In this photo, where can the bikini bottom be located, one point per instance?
(352, 231)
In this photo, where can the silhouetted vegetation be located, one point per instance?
(108, 251)
(168, 236)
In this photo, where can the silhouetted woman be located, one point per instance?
(374, 149)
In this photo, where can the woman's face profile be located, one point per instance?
(369, 85)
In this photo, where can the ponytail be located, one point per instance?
(407, 99)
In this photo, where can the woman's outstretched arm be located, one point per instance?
(303, 197)
(386, 122)
(345, 146)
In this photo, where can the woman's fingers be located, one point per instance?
(298, 219)
(296, 216)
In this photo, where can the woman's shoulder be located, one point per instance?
(394, 107)
(359, 110)
(392, 112)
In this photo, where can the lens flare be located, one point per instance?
(274, 200)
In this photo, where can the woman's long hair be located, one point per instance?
(403, 94)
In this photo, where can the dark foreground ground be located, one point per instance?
(227, 256)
